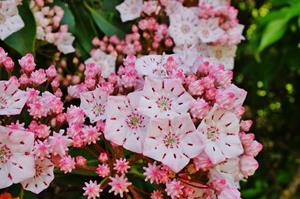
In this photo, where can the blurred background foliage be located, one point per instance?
(267, 66)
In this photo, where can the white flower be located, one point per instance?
(222, 55)
(164, 98)
(12, 99)
(64, 42)
(209, 30)
(44, 175)
(106, 62)
(173, 141)
(125, 125)
(220, 129)
(184, 26)
(151, 66)
(93, 104)
(10, 20)
(130, 9)
(16, 159)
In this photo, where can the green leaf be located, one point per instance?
(85, 30)
(23, 41)
(273, 32)
(103, 22)
(299, 21)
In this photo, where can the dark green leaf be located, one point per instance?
(23, 41)
(103, 22)
(85, 30)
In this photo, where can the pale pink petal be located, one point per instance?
(231, 146)
(43, 177)
(21, 167)
(175, 159)
(214, 153)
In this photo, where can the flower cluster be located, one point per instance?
(48, 19)
(131, 111)
(211, 28)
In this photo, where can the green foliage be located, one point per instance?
(268, 67)
(274, 25)
(102, 20)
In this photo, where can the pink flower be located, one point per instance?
(16, 159)
(93, 104)
(43, 176)
(199, 108)
(38, 77)
(119, 185)
(164, 98)
(231, 98)
(3, 55)
(74, 91)
(220, 130)
(152, 173)
(12, 100)
(156, 195)
(121, 166)
(92, 190)
(125, 125)
(173, 142)
(103, 170)
(203, 162)
(75, 115)
(81, 161)
(59, 143)
(41, 149)
(91, 134)
(9, 64)
(225, 190)
(248, 165)
(174, 189)
(27, 62)
(103, 157)
(51, 71)
(67, 164)
(40, 130)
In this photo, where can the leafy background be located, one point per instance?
(267, 66)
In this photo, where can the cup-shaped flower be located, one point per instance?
(12, 100)
(125, 125)
(164, 98)
(16, 159)
(173, 141)
(220, 129)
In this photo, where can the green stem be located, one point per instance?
(21, 196)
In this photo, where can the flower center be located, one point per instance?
(3, 102)
(185, 28)
(5, 154)
(213, 133)
(205, 32)
(171, 140)
(135, 120)
(164, 103)
(98, 109)
(38, 170)
(2, 18)
(219, 54)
